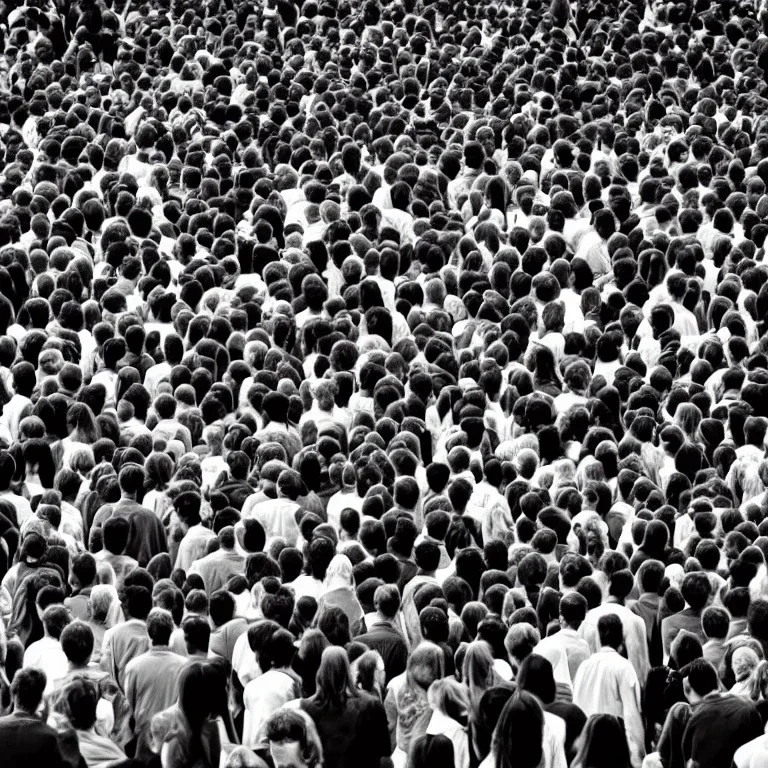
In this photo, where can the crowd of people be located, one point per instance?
(383, 384)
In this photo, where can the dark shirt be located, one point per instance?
(356, 736)
(390, 644)
(647, 608)
(575, 720)
(26, 741)
(687, 619)
(718, 727)
(147, 535)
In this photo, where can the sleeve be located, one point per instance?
(633, 721)
(377, 729)
(131, 692)
(390, 707)
(106, 662)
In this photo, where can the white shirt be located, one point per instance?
(606, 683)
(46, 654)
(448, 727)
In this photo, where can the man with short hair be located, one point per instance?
(25, 740)
(46, 654)
(383, 636)
(218, 567)
(607, 684)
(126, 641)
(152, 680)
(194, 545)
(147, 534)
(720, 722)
(573, 609)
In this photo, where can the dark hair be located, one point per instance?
(701, 676)
(536, 676)
(523, 717)
(77, 642)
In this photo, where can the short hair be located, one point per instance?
(573, 609)
(84, 568)
(610, 630)
(197, 634)
(715, 622)
(138, 601)
(55, 618)
(521, 639)
(77, 642)
(696, 589)
(28, 687)
(701, 676)
(160, 626)
(82, 697)
(221, 607)
(386, 599)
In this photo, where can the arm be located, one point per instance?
(633, 720)
(390, 707)
(378, 730)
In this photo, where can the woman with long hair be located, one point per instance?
(408, 709)
(186, 735)
(521, 738)
(602, 744)
(449, 702)
(352, 724)
(306, 662)
(339, 590)
(83, 432)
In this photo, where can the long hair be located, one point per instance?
(518, 738)
(602, 744)
(334, 680)
(198, 701)
(82, 424)
(478, 672)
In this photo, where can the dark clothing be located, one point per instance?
(389, 642)
(356, 736)
(575, 720)
(647, 608)
(26, 741)
(147, 535)
(408, 569)
(732, 720)
(687, 619)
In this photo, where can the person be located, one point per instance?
(606, 684)
(152, 680)
(124, 642)
(186, 734)
(82, 698)
(293, 740)
(520, 739)
(25, 738)
(735, 718)
(573, 610)
(46, 654)
(563, 717)
(603, 742)
(449, 702)
(352, 725)
(466, 301)
(384, 636)
(338, 590)
(276, 686)
(218, 567)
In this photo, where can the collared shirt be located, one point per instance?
(606, 684)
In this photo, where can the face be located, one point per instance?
(287, 754)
